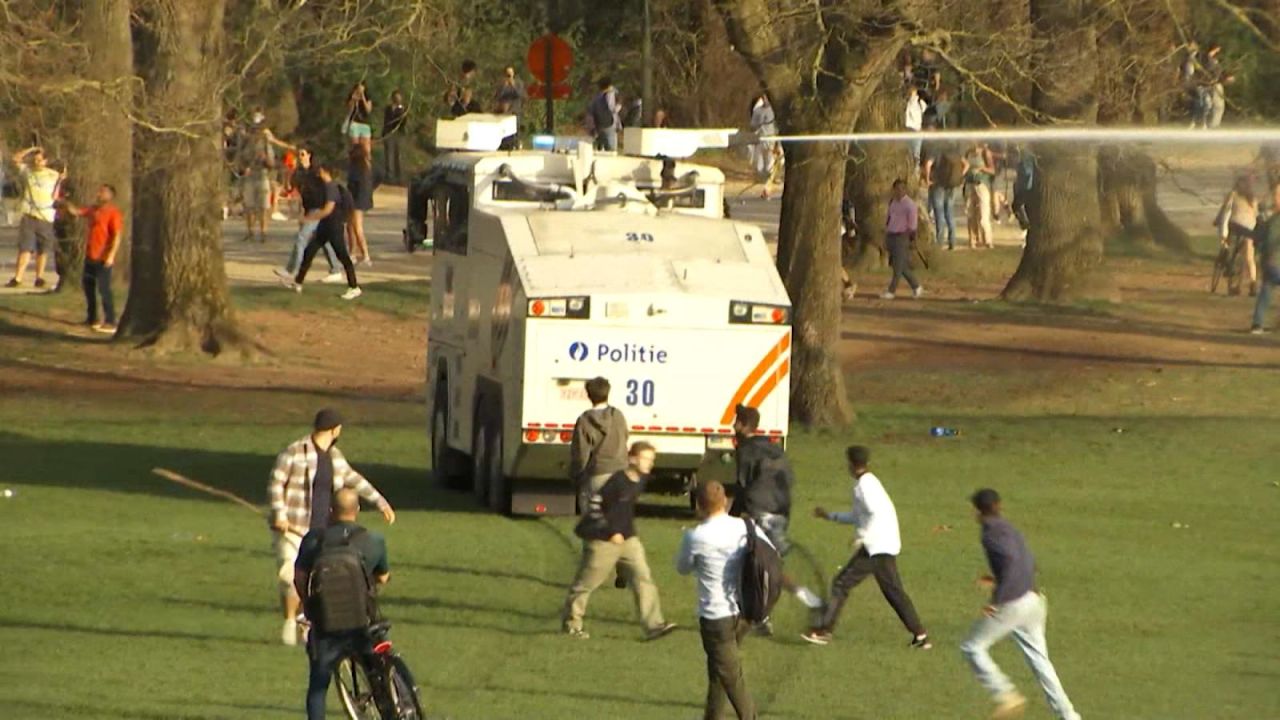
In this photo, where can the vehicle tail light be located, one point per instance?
(531, 435)
(566, 436)
(382, 648)
(564, 307)
(748, 313)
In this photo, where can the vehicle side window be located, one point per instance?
(450, 208)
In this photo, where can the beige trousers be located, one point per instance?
(978, 212)
(599, 558)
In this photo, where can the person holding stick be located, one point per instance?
(303, 483)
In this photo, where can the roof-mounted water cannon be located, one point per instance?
(675, 142)
(478, 132)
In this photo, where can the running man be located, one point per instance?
(1016, 607)
(878, 543)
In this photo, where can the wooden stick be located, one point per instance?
(197, 485)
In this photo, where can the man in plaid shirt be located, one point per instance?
(306, 477)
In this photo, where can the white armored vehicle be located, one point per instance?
(552, 268)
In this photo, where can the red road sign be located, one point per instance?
(561, 58)
(559, 91)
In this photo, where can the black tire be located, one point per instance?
(480, 445)
(404, 691)
(446, 465)
(354, 690)
(499, 483)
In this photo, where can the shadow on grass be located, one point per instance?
(127, 468)
(1095, 317)
(155, 634)
(65, 332)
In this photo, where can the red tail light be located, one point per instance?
(566, 435)
(382, 648)
(531, 435)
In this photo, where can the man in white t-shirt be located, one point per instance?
(39, 184)
(876, 553)
(714, 552)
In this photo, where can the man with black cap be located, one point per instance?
(1016, 607)
(301, 490)
(876, 549)
(763, 492)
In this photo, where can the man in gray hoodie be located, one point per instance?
(599, 445)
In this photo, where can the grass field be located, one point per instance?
(125, 597)
(1135, 444)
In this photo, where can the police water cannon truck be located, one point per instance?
(551, 268)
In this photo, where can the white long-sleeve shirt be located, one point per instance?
(913, 118)
(873, 517)
(715, 549)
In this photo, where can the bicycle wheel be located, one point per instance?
(355, 691)
(404, 692)
(1219, 269)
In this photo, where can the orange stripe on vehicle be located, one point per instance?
(765, 363)
(770, 383)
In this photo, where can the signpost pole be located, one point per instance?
(646, 70)
(548, 77)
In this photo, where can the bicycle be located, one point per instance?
(1229, 264)
(375, 683)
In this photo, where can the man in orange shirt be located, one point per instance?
(105, 225)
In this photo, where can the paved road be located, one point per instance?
(251, 263)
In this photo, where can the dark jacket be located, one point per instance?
(1010, 560)
(599, 445)
(618, 504)
(764, 478)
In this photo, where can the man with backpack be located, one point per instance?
(763, 493)
(257, 167)
(875, 521)
(717, 552)
(604, 109)
(942, 172)
(609, 537)
(337, 574)
(331, 219)
(305, 479)
(599, 445)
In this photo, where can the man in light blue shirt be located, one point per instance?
(713, 552)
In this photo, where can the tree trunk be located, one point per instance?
(811, 228)
(104, 135)
(871, 170)
(1127, 194)
(179, 298)
(1064, 243)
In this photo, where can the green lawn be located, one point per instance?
(123, 596)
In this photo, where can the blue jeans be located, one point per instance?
(607, 139)
(305, 233)
(324, 652)
(96, 281)
(1270, 277)
(1025, 618)
(940, 202)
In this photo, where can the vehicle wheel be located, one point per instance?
(446, 464)
(691, 489)
(354, 690)
(480, 450)
(499, 483)
(404, 692)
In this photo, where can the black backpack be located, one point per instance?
(340, 592)
(760, 585)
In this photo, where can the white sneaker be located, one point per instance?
(810, 600)
(886, 296)
(334, 278)
(918, 291)
(279, 216)
(283, 274)
(1009, 705)
(289, 632)
(352, 293)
